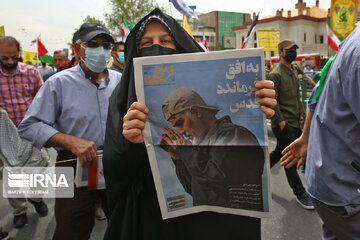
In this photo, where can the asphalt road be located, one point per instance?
(289, 221)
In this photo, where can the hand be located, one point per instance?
(266, 93)
(85, 150)
(134, 122)
(174, 139)
(282, 125)
(294, 153)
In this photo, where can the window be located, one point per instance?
(321, 38)
(242, 39)
(304, 37)
(255, 45)
(255, 36)
(315, 39)
(272, 53)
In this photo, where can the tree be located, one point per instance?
(90, 19)
(130, 11)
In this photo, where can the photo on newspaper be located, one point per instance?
(206, 135)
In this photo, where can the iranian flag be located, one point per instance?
(125, 30)
(333, 40)
(43, 53)
(204, 40)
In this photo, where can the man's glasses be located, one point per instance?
(5, 58)
(95, 44)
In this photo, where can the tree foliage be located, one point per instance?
(90, 19)
(130, 10)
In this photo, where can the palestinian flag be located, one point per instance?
(43, 53)
(251, 30)
(333, 40)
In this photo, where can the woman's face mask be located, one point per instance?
(156, 50)
(156, 40)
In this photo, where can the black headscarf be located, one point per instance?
(132, 199)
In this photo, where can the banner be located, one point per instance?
(29, 56)
(206, 135)
(343, 14)
(2, 31)
(269, 39)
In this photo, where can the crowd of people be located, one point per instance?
(84, 107)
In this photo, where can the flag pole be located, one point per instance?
(170, 8)
(37, 49)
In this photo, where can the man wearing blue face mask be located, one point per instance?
(117, 53)
(69, 113)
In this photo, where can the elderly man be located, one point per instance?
(212, 157)
(19, 84)
(60, 57)
(70, 113)
(286, 121)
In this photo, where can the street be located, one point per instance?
(288, 221)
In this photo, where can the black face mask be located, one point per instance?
(8, 67)
(290, 56)
(155, 50)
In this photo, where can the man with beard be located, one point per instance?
(19, 83)
(286, 121)
(214, 159)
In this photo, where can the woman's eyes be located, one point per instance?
(146, 43)
(166, 40)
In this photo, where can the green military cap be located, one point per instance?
(182, 99)
(286, 44)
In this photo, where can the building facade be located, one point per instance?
(217, 26)
(305, 25)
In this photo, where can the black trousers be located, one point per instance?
(342, 222)
(75, 217)
(284, 138)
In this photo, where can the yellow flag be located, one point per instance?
(187, 27)
(29, 56)
(343, 15)
(2, 30)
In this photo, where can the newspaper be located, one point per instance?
(206, 135)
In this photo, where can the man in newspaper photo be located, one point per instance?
(217, 162)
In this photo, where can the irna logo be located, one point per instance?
(37, 180)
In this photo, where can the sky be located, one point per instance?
(55, 21)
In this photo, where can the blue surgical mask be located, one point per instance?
(96, 59)
(121, 57)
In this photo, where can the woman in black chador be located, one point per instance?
(133, 203)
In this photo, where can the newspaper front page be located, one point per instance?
(206, 135)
